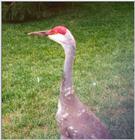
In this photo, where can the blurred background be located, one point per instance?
(32, 66)
(29, 11)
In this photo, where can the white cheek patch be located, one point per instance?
(57, 38)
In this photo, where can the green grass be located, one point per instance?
(32, 69)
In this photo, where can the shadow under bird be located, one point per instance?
(75, 120)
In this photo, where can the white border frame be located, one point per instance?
(53, 1)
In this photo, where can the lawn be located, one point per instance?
(103, 71)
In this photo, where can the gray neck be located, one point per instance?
(69, 60)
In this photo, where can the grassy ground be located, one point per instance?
(103, 71)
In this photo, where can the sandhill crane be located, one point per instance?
(74, 119)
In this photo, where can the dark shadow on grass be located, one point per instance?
(120, 120)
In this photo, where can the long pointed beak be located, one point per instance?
(39, 33)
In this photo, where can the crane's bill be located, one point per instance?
(39, 33)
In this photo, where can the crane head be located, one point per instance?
(59, 34)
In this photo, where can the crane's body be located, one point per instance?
(74, 119)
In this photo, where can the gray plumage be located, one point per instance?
(75, 120)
